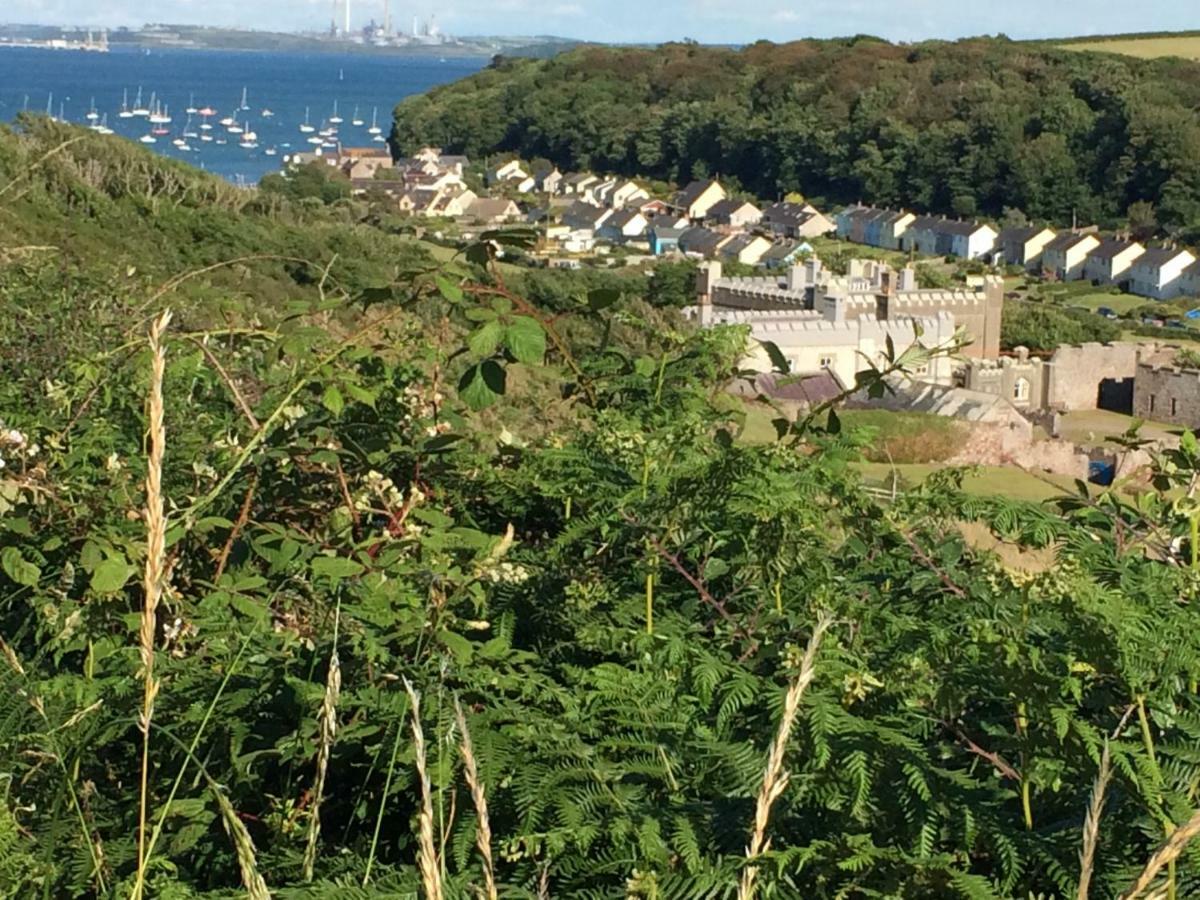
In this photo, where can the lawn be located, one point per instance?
(1093, 427)
(983, 481)
(1185, 46)
(1118, 303)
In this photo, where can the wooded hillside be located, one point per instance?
(968, 128)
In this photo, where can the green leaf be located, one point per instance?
(335, 567)
(448, 289)
(482, 384)
(18, 568)
(526, 340)
(462, 648)
(111, 575)
(778, 360)
(480, 314)
(333, 400)
(602, 298)
(483, 341)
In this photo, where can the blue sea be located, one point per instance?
(68, 82)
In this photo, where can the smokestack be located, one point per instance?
(387, 18)
(346, 30)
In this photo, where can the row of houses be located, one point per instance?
(1160, 273)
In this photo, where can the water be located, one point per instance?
(285, 83)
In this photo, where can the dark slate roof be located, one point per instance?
(692, 192)
(781, 250)
(1156, 257)
(661, 233)
(1066, 241)
(808, 387)
(580, 213)
(723, 209)
(1019, 234)
(1111, 248)
(621, 218)
(701, 240)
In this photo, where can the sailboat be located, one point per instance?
(244, 105)
(148, 139)
(375, 129)
(335, 119)
(207, 111)
(356, 121)
(125, 112)
(188, 131)
(138, 109)
(92, 114)
(271, 151)
(306, 127)
(267, 114)
(103, 128)
(161, 115)
(50, 106)
(191, 107)
(235, 128)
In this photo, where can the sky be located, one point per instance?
(708, 21)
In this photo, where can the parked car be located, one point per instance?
(1175, 323)
(1106, 312)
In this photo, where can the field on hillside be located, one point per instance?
(1185, 46)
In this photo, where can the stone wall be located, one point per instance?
(1167, 394)
(1075, 375)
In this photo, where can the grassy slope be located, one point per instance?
(1185, 46)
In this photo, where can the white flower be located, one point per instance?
(113, 463)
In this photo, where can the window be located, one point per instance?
(825, 362)
(1021, 389)
(1151, 403)
(1174, 406)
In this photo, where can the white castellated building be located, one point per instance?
(823, 321)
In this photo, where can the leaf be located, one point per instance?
(602, 298)
(834, 424)
(333, 401)
(19, 569)
(482, 384)
(526, 340)
(111, 575)
(483, 341)
(778, 360)
(335, 567)
(448, 289)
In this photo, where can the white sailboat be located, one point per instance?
(267, 114)
(138, 109)
(244, 106)
(357, 122)
(191, 107)
(188, 131)
(125, 112)
(92, 114)
(161, 115)
(148, 139)
(271, 151)
(335, 118)
(306, 127)
(375, 129)
(103, 128)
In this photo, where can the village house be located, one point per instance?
(450, 203)
(578, 240)
(653, 208)
(356, 163)
(1064, 257)
(733, 215)
(627, 194)
(1023, 246)
(883, 228)
(577, 182)
(1158, 273)
(795, 220)
(702, 242)
(1110, 261)
(548, 182)
(785, 253)
(695, 200)
(664, 239)
(1189, 280)
(584, 215)
(624, 225)
(599, 192)
(947, 237)
(511, 170)
(748, 249)
(492, 210)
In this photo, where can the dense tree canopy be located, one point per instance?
(965, 128)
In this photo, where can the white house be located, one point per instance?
(507, 171)
(695, 200)
(1110, 261)
(736, 214)
(1023, 246)
(746, 248)
(1064, 257)
(1158, 273)
(624, 225)
(627, 193)
(1189, 281)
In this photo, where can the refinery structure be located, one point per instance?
(382, 33)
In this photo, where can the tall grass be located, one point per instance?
(775, 779)
(328, 733)
(483, 831)
(427, 857)
(1167, 854)
(152, 582)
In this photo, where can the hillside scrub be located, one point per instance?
(285, 613)
(980, 127)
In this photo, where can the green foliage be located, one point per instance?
(966, 128)
(620, 599)
(1040, 327)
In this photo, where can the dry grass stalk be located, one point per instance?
(152, 583)
(1091, 825)
(256, 888)
(775, 779)
(431, 872)
(483, 830)
(327, 719)
(1167, 853)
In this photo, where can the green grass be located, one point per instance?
(1094, 427)
(983, 481)
(1118, 303)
